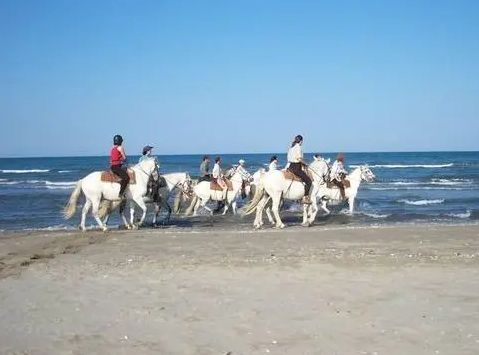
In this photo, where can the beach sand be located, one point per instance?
(389, 290)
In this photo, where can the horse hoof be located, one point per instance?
(105, 229)
(280, 226)
(305, 224)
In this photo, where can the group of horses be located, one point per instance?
(268, 190)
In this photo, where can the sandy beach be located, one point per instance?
(388, 290)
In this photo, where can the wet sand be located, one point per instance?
(388, 290)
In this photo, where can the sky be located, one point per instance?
(226, 76)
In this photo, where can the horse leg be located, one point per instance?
(351, 204)
(155, 213)
(233, 205)
(305, 222)
(197, 206)
(139, 201)
(95, 206)
(323, 206)
(84, 211)
(227, 206)
(258, 220)
(122, 215)
(167, 219)
(313, 211)
(270, 215)
(276, 200)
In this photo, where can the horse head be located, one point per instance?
(187, 185)
(150, 167)
(366, 173)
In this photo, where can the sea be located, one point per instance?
(410, 188)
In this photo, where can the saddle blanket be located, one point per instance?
(108, 176)
(215, 186)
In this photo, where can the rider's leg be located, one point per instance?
(339, 184)
(298, 171)
(125, 179)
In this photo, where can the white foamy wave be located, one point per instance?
(405, 183)
(59, 187)
(25, 171)
(466, 214)
(450, 181)
(398, 166)
(65, 171)
(416, 188)
(3, 180)
(421, 202)
(10, 182)
(60, 183)
(375, 215)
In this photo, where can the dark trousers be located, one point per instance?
(297, 169)
(125, 179)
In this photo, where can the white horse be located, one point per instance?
(204, 193)
(167, 184)
(326, 193)
(275, 186)
(94, 190)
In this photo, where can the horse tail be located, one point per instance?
(258, 194)
(71, 206)
(104, 209)
(192, 205)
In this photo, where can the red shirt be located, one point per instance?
(115, 157)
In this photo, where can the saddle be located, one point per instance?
(109, 176)
(215, 186)
(331, 185)
(289, 175)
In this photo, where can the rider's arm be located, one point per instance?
(122, 151)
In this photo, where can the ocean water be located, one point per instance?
(423, 187)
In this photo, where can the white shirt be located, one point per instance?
(216, 171)
(295, 153)
(273, 165)
(337, 170)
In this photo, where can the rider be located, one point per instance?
(218, 175)
(295, 160)
(146, 153)
(273, 163)
(338, 173)
(117, 158)
(205, 169)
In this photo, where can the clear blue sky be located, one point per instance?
(238, 76)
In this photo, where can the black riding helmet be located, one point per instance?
(117, 140)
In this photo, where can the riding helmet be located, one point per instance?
(117, 140)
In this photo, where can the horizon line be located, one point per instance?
(224, 154)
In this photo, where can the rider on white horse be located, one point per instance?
(117, 158)
(273, 163)
(295, 160)
(146, 154)
(338, 172)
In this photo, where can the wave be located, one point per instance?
(416, 188)
(60, 183)
(65, 171)
(398, 166)
(10, 182)
(466, 214)
(375, 215)
(421, 202)
(25, 171)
